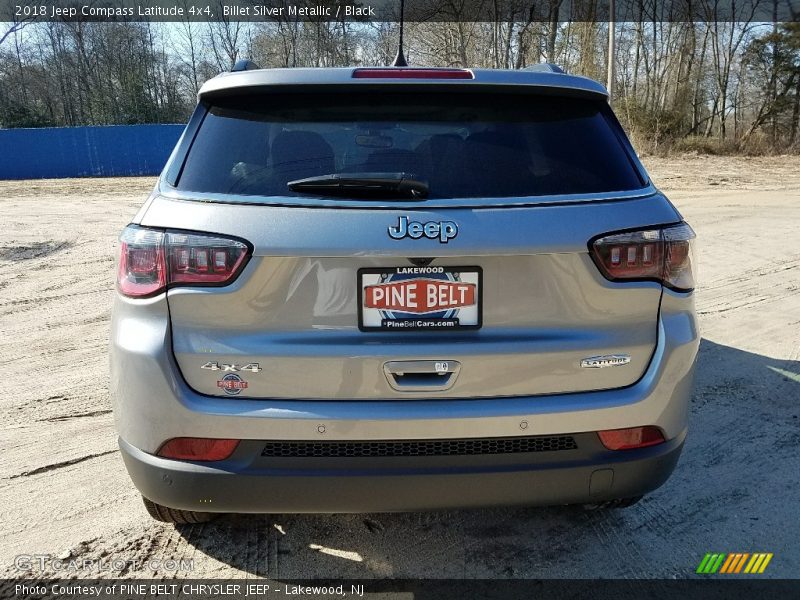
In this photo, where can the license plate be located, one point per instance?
(419, 298)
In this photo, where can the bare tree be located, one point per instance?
(14, 28)
(732, 81)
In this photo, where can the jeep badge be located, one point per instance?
(443, 230)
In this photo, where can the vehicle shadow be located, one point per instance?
(734, 489)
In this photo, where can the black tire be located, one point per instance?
(174, 515)
(616, 503)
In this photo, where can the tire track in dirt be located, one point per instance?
(93, 413)
(61, 465)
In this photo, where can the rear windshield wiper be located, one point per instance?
(381, 185)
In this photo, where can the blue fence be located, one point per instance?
(112, 151)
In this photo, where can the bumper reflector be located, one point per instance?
(201, 449)
(631, 438)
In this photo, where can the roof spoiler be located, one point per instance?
(307, 79)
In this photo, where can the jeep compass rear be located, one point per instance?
(400, 289)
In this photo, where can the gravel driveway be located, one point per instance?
(64, 491)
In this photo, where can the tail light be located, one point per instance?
(663, 255)
(631, 438)
(202, 449)
(152, 260)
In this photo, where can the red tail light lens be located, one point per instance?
(629, 439)
(414, 73)
(201, 449)
(142, 269)
(663, 255)
(152, 260)
(679, 257)
(197, 259)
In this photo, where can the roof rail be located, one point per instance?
(545, 68)
(244, 65)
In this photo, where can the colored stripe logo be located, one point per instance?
(734, 562)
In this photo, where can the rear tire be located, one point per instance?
(166, 514)
(616, 503)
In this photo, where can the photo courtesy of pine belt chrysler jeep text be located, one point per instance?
(396, 289)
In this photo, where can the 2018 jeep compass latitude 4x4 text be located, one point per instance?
(391, 289)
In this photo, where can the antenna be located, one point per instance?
(400, 59)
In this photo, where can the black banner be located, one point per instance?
(519, 11)
(731, 588)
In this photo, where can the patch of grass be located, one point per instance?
(705, 145)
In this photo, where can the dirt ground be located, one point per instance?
(64, 491)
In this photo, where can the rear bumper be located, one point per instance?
(250, 483)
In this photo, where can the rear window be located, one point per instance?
(463, 145)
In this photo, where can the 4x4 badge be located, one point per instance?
(215, 366)
(443, 230)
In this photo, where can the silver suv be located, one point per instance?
(392, 289)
